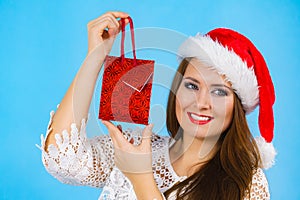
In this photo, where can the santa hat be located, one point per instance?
(234, 56)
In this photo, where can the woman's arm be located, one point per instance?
(145, 187)
(67, 153)
(75, 104)
(77, 160)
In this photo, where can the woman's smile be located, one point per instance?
(199, 119)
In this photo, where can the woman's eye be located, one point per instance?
(191, 86)
(220, 92)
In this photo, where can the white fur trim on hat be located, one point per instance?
(267, 152)
(227, 63)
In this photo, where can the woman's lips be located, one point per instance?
(199, 119)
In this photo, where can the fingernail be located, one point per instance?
(119, 127)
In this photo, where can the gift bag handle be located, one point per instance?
(123, 39)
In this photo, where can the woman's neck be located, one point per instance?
(188, 153)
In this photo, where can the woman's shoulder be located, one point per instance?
(259, 177)
(259, 188)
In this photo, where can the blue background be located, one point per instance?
(43, 44)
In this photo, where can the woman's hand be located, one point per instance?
(104, 29)
(135, 161)
(131, 159)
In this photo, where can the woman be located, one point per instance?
(210, 154)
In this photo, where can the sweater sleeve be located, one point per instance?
(78, 160)
(259, 189)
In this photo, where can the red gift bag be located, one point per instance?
(126, 86)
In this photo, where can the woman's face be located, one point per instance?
(204, 102)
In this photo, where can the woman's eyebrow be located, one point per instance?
(221, 85)
(191, 78)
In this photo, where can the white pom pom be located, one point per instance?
(267, 152)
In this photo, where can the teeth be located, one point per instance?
(200, 118)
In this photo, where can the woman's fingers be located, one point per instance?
(120, 141)
(114, 26)
(108, 21)
(119, 14)
(128, 157)
(104, 28)
(115, 133)
(147, 134)
(105, 25)
(112, 15)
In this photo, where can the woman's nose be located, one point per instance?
(204, 99)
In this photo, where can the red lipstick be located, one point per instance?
(199, 119)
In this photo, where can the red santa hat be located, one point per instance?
(235, 56)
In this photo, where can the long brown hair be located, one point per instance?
(229, 173)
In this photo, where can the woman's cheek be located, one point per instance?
(185, 98)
